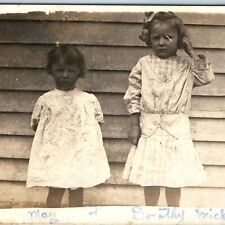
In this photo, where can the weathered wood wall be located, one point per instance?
(111, 47)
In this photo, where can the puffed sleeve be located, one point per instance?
(133, 93)
(98, 110)
(35, 118)
(202, 71)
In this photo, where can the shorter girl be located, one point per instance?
(67, 150)
(158, 99)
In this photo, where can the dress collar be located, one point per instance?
(171, 58)
(66, 92)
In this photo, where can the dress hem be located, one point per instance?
(43, 184)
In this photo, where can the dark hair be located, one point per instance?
(167, 17)
(68, 54)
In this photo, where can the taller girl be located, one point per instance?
(158, 99)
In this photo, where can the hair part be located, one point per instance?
(163, 17)
(68, 54)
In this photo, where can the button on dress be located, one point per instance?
(67, 149)
(160, 90)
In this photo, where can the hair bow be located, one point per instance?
(150, 16)
(145, 33)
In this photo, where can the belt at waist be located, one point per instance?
(176, 124)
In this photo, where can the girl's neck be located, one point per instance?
(65, 89)
(167, 58)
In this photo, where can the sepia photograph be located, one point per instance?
(113, 106)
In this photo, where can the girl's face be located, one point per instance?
(65, 75)
(164, 40)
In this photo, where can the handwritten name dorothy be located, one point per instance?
(178, 214)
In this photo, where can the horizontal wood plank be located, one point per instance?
(116, 127)
(120, 17)
(215, 88)
(16, 170)
(17, 195)
(95, 81)
(210, 128)
(70, 33)
(92, 33)
(97, 57)
(18, 147)
(15, 146)
(39, 80)
(207, 103)
(112, 104)
(211, 153)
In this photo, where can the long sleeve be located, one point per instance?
(133, 93)
(202, 71)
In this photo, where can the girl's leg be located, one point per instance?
(173, 196)
(55, 196)
(151, 195)
(76, 197)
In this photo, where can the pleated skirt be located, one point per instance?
(162, 160)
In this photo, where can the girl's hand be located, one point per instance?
(34, 127)
(134, 135)
(134, 131)
(188, 47)
(34, 124)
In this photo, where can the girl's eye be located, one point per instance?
(72, 71)
(59, 70)
(155, 37)
(170, 36)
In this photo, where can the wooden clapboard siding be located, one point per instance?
(17, 171)
(116, 126)
(15, 146)
(39, 80)
(119, 17)
(97, 57)
(112, 103)
(18, 147)
(111, 47)
(123, 34)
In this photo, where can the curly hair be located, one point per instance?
(68, 54)
(167, 17)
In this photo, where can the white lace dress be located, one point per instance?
(67, 149)
(160, 90)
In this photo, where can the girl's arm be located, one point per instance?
(35, 118)
(202, 70)
(98, 110)
(34, 125)
(132, 100)
(133, 93)
(134, 130)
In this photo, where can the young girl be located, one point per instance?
(67, 150)
(158, 99)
